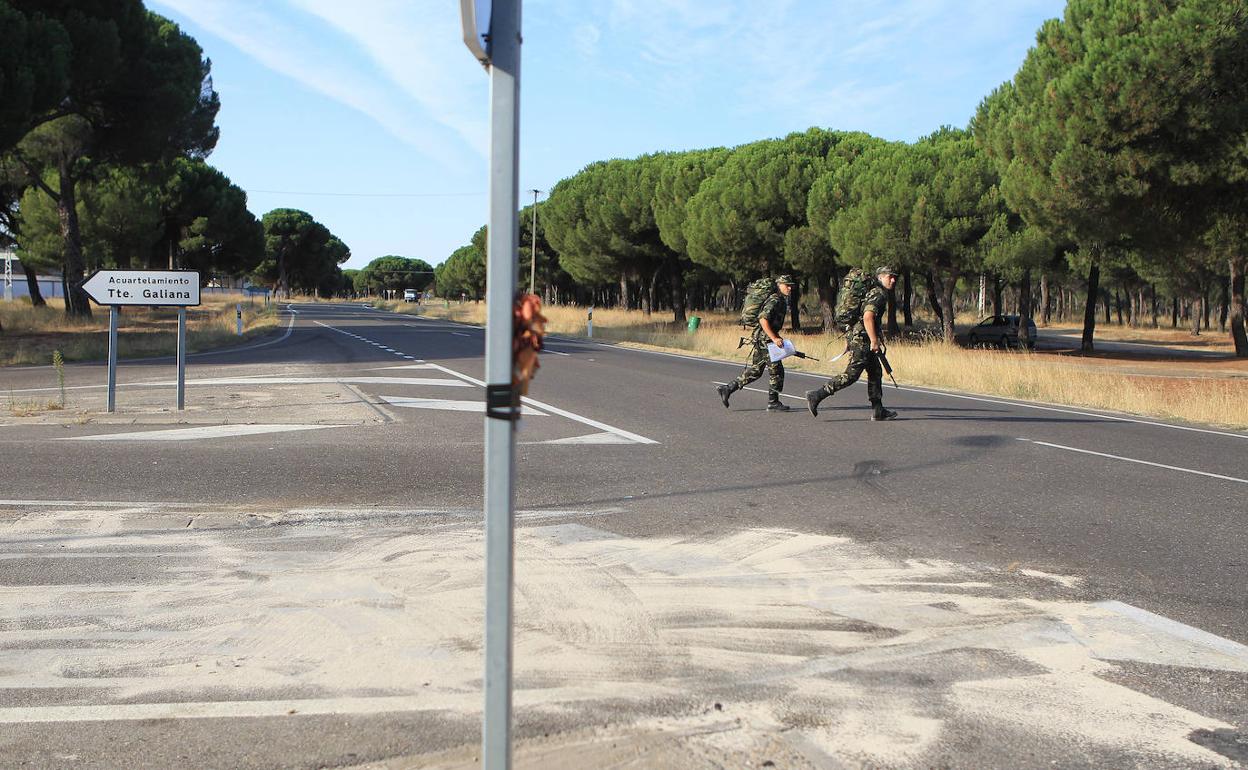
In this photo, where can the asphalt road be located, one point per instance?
(1094, 507)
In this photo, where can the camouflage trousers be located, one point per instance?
(759, 360)
(860, 359)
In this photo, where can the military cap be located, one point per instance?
(885, 270)
(786, 278)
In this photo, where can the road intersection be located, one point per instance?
(980, 583)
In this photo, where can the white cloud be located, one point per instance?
(586, 37)
(410, 98)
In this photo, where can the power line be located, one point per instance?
(370, 195)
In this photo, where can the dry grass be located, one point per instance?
(27, 407)
(31, 334)
(1013, 374)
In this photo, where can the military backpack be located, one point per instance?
(755, 295)
(849, 302)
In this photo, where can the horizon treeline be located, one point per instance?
(1110, 172)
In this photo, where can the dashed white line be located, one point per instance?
(1133, 460)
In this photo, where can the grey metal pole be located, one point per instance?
(533, 237)
(181, 358)
(112, 357)
(8, 276)
(502, 402)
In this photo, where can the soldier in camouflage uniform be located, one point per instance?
(864, 343)
(770, 321)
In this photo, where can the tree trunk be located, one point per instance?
(1238, 332)
(931, 296)
(1174, 312)
(1024, 302)
(648, 292)
(1224, 306)
(795, 309)
(676, 280)
(76, 301)
(1089, 309)
(947, 291)
(1195, 315)
(1105, 301)
(906, 290)
(1206, 305)
(32, 283)
(1046, 309)
(893, 328)
(825, 288)
(623, 291)
(996, 294)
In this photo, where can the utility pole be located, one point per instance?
(533, 237)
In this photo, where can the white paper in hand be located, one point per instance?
(777, 353)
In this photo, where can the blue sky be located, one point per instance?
(373, 117)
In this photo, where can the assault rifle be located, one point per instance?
(883, 356)
(796, 353)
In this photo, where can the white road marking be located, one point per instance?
(591, 438)
(196, 434)
(1175, 628)
(556, 352)
(1133, 460)
(272, 381)
(215, 709)
(400, 366)
(96, 504)
(1044, 408)
(325, 381)
(449, 405)
(290, 327)
(761, 390)
(561, 412)
(461, 334)
(532, 402)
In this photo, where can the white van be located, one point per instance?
(410, 295)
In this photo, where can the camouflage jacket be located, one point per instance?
(775, 308)
(876, 302)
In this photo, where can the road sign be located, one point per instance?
(475, 17)
(174, 288)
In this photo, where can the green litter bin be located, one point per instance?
(693, 323)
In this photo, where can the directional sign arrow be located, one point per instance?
(176, 288)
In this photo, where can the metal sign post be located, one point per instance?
(116, 288)
(8, 276)
(113, 312)
(181, 358)
(492, 34)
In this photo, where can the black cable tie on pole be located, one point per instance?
(501, 402)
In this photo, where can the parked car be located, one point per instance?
(410, 295)
(1002, 330)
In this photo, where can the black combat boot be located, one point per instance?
(879, 413)
(813, 397)
(725, 391)
(778, 406)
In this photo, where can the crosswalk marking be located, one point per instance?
(449, 405)
(196, 434)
